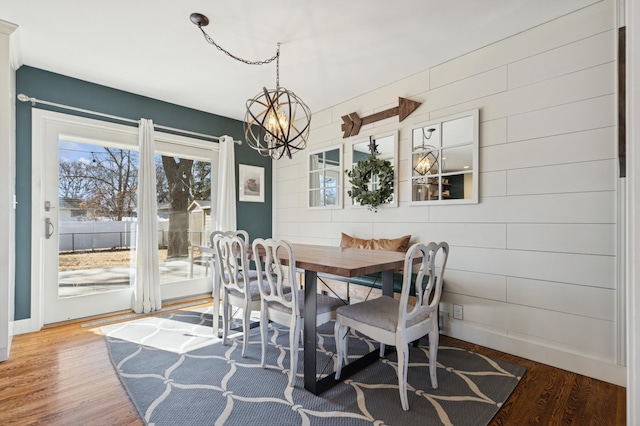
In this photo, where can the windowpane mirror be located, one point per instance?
(457, 159)
(444, 160)
(387, 147)
(325, 174)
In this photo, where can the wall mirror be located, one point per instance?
(325, 178)
(444, 160)
(387, 147)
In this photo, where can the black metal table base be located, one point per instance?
(318, 386)
(310, 309)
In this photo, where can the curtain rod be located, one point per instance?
(24, 98)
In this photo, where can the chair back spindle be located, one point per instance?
(232, 255)
(427, 295)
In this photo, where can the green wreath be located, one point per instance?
(360, 177)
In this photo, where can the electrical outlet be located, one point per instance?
(457, 312)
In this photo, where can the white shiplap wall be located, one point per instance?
(534, 263)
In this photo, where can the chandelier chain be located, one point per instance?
(245, 61)
(278, 67)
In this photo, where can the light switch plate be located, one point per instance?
(457, 312)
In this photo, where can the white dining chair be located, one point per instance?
(237, 288)
(282, 299)
(396, 322)
(251, 273)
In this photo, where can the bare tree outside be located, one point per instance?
(113, 181)
(72, 179)
(106, 185)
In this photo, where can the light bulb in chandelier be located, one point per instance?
(276, 124)
(423, 166)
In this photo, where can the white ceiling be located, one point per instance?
(332, 50)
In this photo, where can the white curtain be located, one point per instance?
(146, 292)
(226, 204)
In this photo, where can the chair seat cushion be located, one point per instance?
(254, 290)
(381, 312)
(251, 274)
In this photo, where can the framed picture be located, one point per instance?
(251, 183)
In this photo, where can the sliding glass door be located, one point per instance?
(85, 215)
(186, 207)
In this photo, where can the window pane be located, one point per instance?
(315, 180)
(97, 191)
(458, 186)
(330, 195)
(316, 161)
(457, 159)
(184, 216)
(314, 198)
(332, 158)
(426, 138)
(457, 131)
(425, 189)
(331, 178)
(424, 163)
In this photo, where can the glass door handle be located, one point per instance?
(48, 228)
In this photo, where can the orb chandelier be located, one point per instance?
(277, 122)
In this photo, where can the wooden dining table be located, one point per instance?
(345, 262)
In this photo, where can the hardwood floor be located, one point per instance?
(62, 375)
(551, 396)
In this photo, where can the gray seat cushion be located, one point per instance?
(381, 312)
(254, 291)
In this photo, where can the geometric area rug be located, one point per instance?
(177, 373)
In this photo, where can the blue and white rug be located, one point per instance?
(177, 373)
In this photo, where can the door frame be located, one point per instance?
(42, 123)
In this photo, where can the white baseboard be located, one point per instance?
(6, 350)
(25, 326)
(556, 357)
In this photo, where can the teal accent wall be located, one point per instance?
(255, 218)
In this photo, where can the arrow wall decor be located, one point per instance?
(352, 122)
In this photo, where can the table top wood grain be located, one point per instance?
(346, 262)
